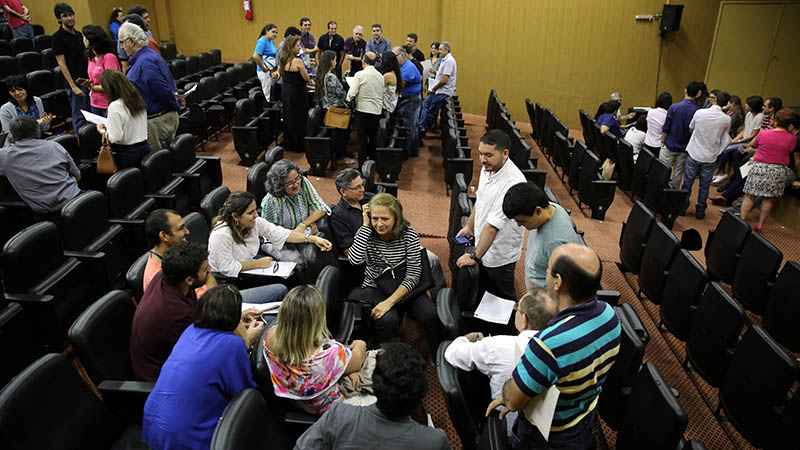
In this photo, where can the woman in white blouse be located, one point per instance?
(655, 121)
(238, 233)
(127, 120)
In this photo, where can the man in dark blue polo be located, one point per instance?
(676, 133)
(410, 101)
(151, 76)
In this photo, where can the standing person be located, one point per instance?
(151, 44)
(710, 127)
(290, 31)
(308, 43)
(142, 12)
(391, 82)
(152, 77)
(675, 132)
(293, 96)
(655, 122)
(22, 103)
(127, 120)
(331, 93)
(411, 41)
(71, 56)
(100, 50)
(264, 55)
(410, 101)
(354, 49)
(335, 43)
(367, 90)
(498, 240)
(19, 18)
(410, 57)
(593, 331)
(444, 87)
(115, 22)
(378, 44)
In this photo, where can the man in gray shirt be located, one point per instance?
(400, 385)
(42, 172)
(549, 225)
(378, 44)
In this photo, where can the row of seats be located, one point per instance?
(26, 62)
(753, 373)
(16, 46)
(498, 117)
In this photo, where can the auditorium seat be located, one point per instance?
(563, 149)
(682, 291)
(639, 176)
(5, 49)
(29, 61)
(455, 306)
(134, 277)
(724, 246)
(16, 213)
(17, 348)
(168, 51)
(578, 154)
(495, 433)
(756, 272)
(169, 191)
(42, 42)
(22, 45)
(756, 386)
(340, 314)
(273, 155)
(247, 411)
(88, 168)
(49, 59)
(530, 108)
(786, 433)
(248, 132)
(199, 229)
(129, 207)
(213, 201)
(714, 334)
(665, 201)
(178, 68)
(633, 237)
(662, 246)
(256, 177)
(783, 308)
(593, 190)
(203, 171)
(319, 140)
(388, 163)
(625, 163)
(8, 66)
(653, 417)
(48, 406)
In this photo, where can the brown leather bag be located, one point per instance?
(336, 117)
(105, 159)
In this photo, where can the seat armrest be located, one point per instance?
(29, 298)
(126, 388)
(94, 256)
(610, 297)
(300, 418)
(127, 221)
(622, 232)
(161, 196)
(126, 398)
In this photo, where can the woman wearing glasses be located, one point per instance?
(237, 235)
(291, 200)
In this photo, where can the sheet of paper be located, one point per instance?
(641, 108)
(269, 307)
(745, 169)
(494, 309)
(541, 409)
(349, 80)
(430, 421)
(427, 65)
(94, 118)
(285, 268)
(192, 89)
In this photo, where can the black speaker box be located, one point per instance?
(671, 18)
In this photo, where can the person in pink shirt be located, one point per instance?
(102, 56)
(767, 178)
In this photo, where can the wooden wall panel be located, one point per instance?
(86, 12)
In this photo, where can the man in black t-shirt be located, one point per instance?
(411, 41)
(71, 56)
(334, 42)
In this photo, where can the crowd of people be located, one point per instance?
(712, 138)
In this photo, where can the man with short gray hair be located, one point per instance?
(152, 77)
(444, 86)
(354, 49)
(346, 216)
(42, 172)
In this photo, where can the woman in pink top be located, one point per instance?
(100, 50)
(767, 178)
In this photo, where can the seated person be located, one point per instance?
(307, 366)
(291, 201)
(42, 172)
(389, 245)
(22, 103)
(207, 367)
(494, 356)
(636, 135)
(549, 225)
(400, 385)
(607, 121)
(166, 308)
(238, 236)
(346, 216)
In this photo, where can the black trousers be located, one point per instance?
(130, 155)
(422, 309)
(367, 129)
(499, 280)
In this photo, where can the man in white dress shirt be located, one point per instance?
(494, 356)
(367, 90)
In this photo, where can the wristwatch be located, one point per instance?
(474, 257)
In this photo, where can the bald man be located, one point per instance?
(574, 353)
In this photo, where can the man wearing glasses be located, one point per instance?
(346, 216)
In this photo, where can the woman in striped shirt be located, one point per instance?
(384, 242)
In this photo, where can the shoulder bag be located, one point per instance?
(336, 117)
(105, 159)
(392, 277)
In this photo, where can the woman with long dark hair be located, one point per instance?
(392, 81)
(127, 120)
(331, 93)
(101, 53)
(293, 95)
(114, 22)
(21, 102)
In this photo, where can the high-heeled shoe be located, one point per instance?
(758, 228)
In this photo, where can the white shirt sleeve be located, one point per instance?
(117, 116)
(466, 355)
(276, 234)
(496, 217)
(220, 253)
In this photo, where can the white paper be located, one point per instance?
(430, 421)
(641, 108)
(350, 80)
(541, 409)
(269, 307)
(745, 169)
(285, 268)
(192, 89)
(94, 118)
(494, 309)
(427, 65)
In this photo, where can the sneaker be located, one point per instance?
(700, 215)
(719, 200)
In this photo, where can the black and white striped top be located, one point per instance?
(380, 255)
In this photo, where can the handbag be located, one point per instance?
(105, 159)
(608, 169)
(336, 117)
(392, 277)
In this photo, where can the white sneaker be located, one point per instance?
(346, 161)
(719, 178)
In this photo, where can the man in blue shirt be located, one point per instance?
(378, 44)
(410, 101)
(151, 76)
(676, 133)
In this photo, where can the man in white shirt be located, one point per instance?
(709, 138)
(498, 239)
(496, 356)
(367, 90)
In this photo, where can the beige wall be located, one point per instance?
(87, 12)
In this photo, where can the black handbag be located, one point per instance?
(392, 277)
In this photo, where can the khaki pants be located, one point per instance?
(161, 130)
(678, 159)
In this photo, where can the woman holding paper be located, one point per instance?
(389, 248)
(126, 129)
(238, 233)
(102, 55)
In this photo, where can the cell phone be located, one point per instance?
(81, 80)
(462, 240)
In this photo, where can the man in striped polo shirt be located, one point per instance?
(574, 353)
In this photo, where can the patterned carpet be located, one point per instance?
(422, 192)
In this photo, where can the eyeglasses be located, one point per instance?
(295, 182)
(360, 187)
(122, 41)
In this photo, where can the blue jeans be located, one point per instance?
(78, 104)
(430, 108)
(264, 294)
(705, 171)
(23, 31)
(725, 156)
(525, 435)
(100, 111)
(408, 112)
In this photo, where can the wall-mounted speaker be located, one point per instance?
(671, 18)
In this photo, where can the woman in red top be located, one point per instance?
(767, 178)
(100, 50)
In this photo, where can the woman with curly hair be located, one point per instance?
(291, 200)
